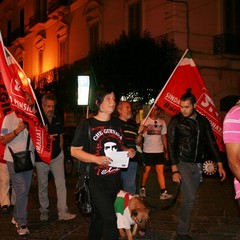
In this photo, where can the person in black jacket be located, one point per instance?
(188, 132)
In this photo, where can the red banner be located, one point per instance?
(186, 75)
(17, 84)
(5, 108)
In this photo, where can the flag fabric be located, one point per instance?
(186, 75)
(5, 108)
(17, 85)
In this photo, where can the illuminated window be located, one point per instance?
(62, 37)
(39, 43)
(135, 18)
(40, 61)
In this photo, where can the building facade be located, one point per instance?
(47, 35)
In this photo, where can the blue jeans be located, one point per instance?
(57, 168)
(21, 183)
(129, 177)
(190, 179)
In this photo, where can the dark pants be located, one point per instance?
(190, 179)
(103, 222)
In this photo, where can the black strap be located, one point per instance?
(27, 146)
(89, 146)
(28, 142)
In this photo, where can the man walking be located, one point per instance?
(154, 132)
(187, 133)
(130, 129)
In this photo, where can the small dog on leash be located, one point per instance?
(130, 210)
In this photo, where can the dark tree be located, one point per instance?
(135, 66)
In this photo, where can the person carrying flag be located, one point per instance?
(14, 134)
(188, 132)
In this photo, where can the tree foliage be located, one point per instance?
(135, 66)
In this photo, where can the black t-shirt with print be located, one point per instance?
(105, 136)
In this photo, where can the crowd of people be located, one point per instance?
(181, 142)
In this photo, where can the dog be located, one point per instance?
(131, 210)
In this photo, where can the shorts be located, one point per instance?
(154, 159)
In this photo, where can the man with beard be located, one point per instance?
(188, 132)
(130, 131)
(54, 127)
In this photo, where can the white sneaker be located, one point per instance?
(142, 192)
(66, 216)
(165, 195)
(13, 221)
(44, 216)
(22, 231)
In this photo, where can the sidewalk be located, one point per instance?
(216, 215)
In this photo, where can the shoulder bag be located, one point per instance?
(82, 193)
(22, 160)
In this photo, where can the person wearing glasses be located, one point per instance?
(153, 130)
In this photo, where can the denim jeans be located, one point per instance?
(21, 183)
(190, 179)
(129, 177)
(57, 168)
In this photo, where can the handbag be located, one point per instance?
(22, 160)
(82, 193)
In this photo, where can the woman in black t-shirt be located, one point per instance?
(104, 181)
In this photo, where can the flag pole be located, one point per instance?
(159, 95)
(32, 91)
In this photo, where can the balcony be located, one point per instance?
(55, 4)
(226, 44)
(58, 8)
(40, 17)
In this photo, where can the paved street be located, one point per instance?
(216, 215)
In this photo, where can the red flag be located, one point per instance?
(186, 75)
(5, 108)
(17, 84)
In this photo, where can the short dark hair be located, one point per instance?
(100, 94)
(188, 96)
(48, 96)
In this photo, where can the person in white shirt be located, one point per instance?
(154, 133)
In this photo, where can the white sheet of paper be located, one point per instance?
(119, 159)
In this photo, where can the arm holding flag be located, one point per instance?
(17, 84)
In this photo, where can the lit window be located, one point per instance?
(40, 61)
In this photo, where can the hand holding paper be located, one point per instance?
(119, 159)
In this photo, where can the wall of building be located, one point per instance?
(191, 24)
